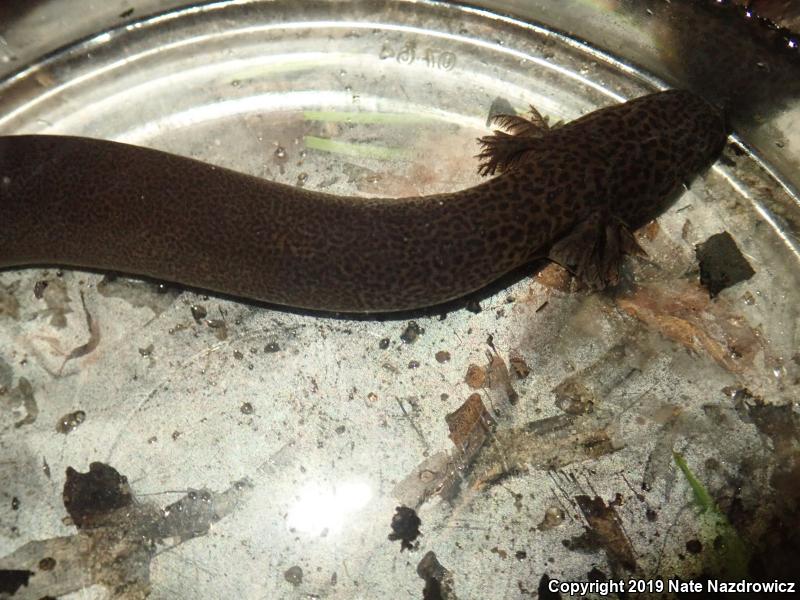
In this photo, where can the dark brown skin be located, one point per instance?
(571, 193)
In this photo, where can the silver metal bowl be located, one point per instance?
(648, 433)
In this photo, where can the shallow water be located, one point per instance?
(289, 439)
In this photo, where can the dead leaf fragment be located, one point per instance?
(682, 312)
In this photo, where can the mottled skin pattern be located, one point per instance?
(79, 202)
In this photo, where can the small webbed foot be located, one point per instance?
(503, 150)
(593, 251)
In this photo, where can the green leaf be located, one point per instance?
(730, 555)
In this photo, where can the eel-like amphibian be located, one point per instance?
(572, 193)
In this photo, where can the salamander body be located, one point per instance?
(572, 193)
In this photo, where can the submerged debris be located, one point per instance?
(682, 311)
(90, 497)
(138, 293)
(730, 555)
(20, 397)
(294, 575)
(117, 536)
(12, 580)
(70, 421)
(411, 332)
(549, 443)
(722, 264)
(438, 580)
(9, 305)
(405, 527)
(519, 367)
(553, 517)
(469, 425)
(606, 531)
